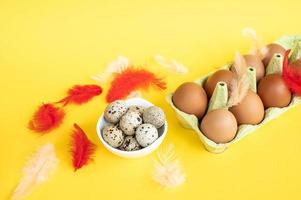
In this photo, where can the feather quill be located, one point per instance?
(82, 148)
(38, 169)
(116, 66)
(168, 172)
(132, 79)
(240, 84)
(46, 118)
(80, 94)
(171, 65)
(291, 75)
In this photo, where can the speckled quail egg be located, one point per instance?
(114, 111)
(129, 122)
(130, 144)
(155, 116)
(146, 134)
(139, 109)
(112, 135)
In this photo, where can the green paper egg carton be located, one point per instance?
(192, 122)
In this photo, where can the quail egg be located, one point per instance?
(129, 122)
(114, 111)
(146, 134)
(155, 116)
(130, 144)
(139, 109)
(112, 135)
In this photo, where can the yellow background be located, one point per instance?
(47, 46)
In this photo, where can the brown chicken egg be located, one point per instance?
(255, 62)
(271, 49)
(219, 126)
(274, 92)
(250, 110)
(191, 98)
(220, 75)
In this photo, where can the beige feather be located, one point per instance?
(116, 66)
(134, 94)
(168, 172)
(171, 64)
(240, 84)
(258, 47)
(37, 170)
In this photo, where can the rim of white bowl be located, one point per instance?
(143, 150)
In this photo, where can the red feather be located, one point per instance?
(81, 148)
(130, 80)
(80, 94)
(46, 118)
(291, 76)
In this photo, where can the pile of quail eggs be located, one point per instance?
(131, 128)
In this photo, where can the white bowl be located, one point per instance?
(138, 153)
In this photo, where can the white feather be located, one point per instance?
(258, 46)
(168, 172)
(116, 66)
(134, 94)
(171, 64)
(37, 170)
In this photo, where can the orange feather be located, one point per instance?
(46, 118)
(132, 79)
(81, 148)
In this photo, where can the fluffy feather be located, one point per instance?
(168, 172)
(46, 118)
(132, 79)
(116, 66)
(81, 148)
(240, 84)
(258, 46)
(291, 76)
(134, 94)
(80, 94)
(37, 170)
(172, 65)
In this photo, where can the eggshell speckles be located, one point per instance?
(112, 135)
(155, 116)
(274, 92)
(146, 134)
(129, 122)
(138, 109)
(114, 111)
(219, 126)
(130, 144)
(191, 98)
(122, 119)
